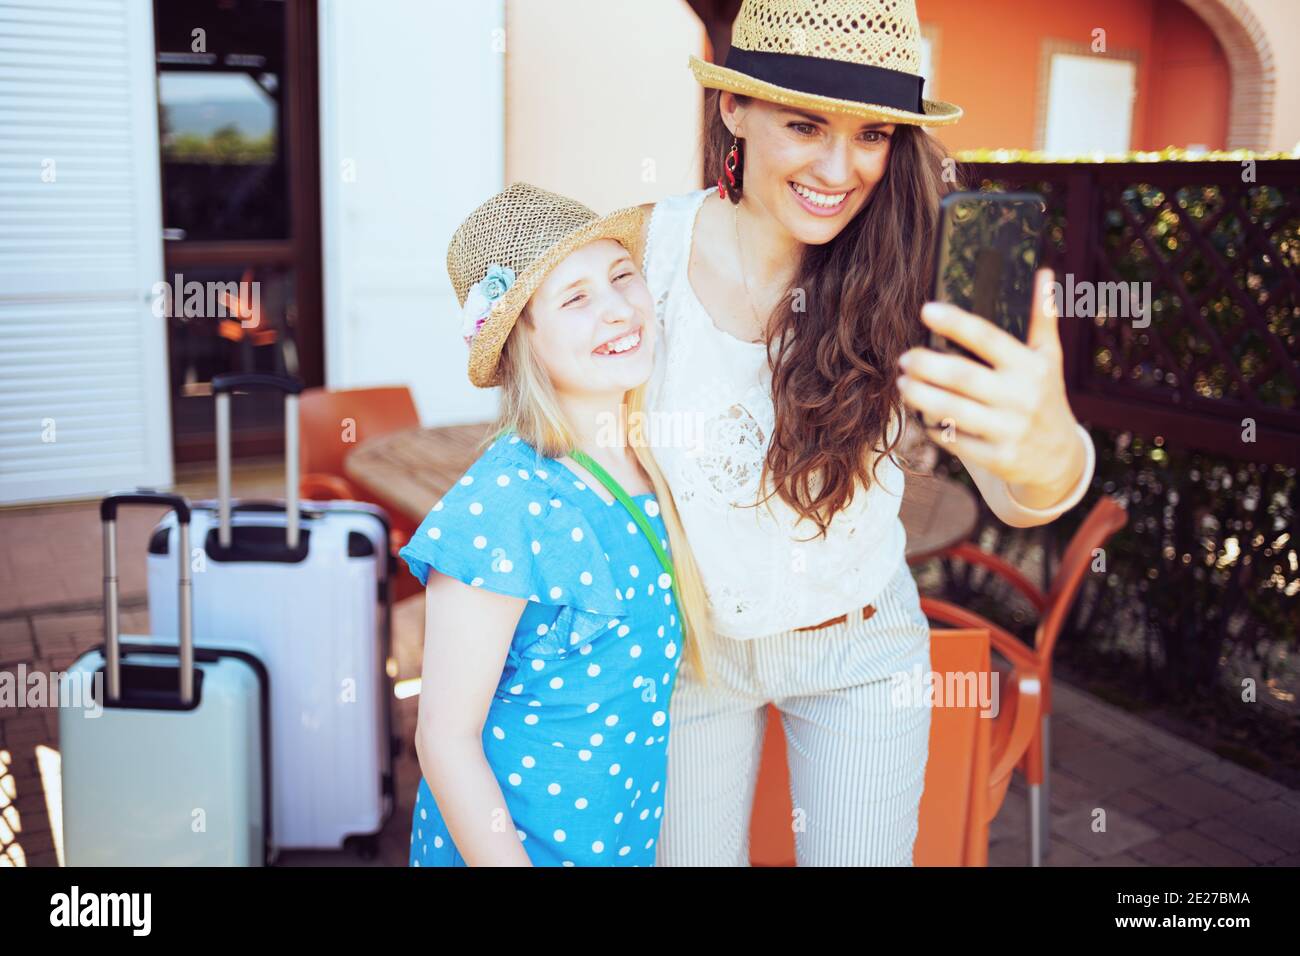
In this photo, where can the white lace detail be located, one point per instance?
(711, 407)
(733, 460)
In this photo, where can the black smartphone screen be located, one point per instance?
(989, 245)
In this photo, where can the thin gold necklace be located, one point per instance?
(740, 253)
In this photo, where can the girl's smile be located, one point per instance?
(622, 345)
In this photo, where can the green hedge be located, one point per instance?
(1200, 592)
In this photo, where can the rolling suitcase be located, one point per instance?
(170, 765)
(304, 587)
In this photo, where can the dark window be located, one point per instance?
(221, 119)
(240, 203)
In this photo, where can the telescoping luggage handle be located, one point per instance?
(108, 515)
(222, 387)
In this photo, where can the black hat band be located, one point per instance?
(858, 82)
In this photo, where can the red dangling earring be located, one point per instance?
(729, 167)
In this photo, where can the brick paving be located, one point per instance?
(1167, 802)
(1164, 801)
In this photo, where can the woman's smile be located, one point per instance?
(819, 203)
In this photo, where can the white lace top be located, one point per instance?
(711, 415)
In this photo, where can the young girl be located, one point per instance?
(561, 594)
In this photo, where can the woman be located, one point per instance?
(789, 298)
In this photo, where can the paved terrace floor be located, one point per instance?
(1167, 802)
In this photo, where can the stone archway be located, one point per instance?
(1250, 60)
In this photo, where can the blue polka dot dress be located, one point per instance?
(578, 726)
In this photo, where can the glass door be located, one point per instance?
(240, 187)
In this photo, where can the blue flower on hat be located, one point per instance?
(481, 295)
(497, 281)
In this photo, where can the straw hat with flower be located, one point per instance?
(504, 250)
(861, 57)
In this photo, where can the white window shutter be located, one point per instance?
(84, 385)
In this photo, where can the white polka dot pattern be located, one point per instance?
(576, 728)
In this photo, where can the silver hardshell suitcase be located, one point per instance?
(173, 769)
(304, 587)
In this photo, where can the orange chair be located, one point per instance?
(331, 424)
(1106, 517)
(966, 775)
(771, 836)
(972, 754)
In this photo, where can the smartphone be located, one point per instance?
(988, 249)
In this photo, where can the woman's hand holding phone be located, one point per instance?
(1011, 417)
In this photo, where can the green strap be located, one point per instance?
(638, 516)
(610, 482)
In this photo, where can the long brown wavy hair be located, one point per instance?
(834, 380)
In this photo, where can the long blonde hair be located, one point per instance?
(529, 408)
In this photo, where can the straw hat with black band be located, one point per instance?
(860, 57)
(504, 250)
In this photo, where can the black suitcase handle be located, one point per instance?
(248, 381)
(222, 388)
(113, 658)
(144, 496)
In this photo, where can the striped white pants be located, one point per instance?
(857, 762)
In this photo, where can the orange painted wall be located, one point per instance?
(990, 51)
(1188, 101)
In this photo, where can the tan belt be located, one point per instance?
(866, 616)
